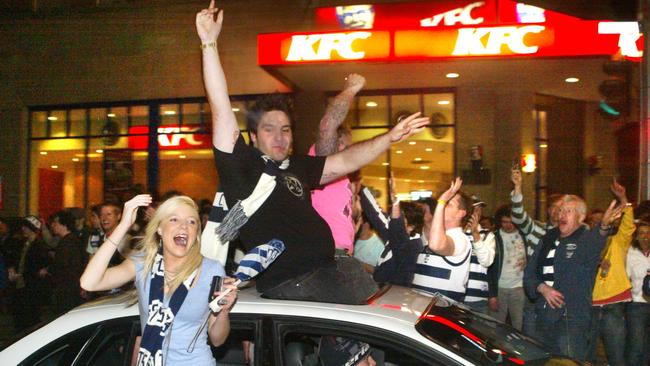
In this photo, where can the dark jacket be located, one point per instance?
(575, 263)
(646, 285)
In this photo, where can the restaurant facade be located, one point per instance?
(102, 103)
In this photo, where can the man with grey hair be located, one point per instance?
(560, 276)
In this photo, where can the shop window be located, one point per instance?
(139, 115)
(57, 120)
(373, 111)
(77, 122)
(192, 114)
(239, 109)
(39, 124)
(57, 175)
(404, 105)
(169, 115)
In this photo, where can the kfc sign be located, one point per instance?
(170, 138)
(323, 46)
(470, 41)
(461, 15)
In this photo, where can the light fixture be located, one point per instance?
(182, 156)
(429, 149)
(417, 159)
(571, 80)
(452, 75)
(444, 102)
(407, 180)
(385, 164)
(54, 166)
(399, 152)
(75, 159)
(169, 113)
(52, 118)
(43, 152)
(111, 115)
(528, 163)
(420, 181)
(543, 146)
(424, 167)
(371, 104)
(235, 109)
(412, 142)
(382, 178)
(99, 151)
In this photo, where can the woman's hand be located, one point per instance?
(131, 208)
(229, 299)
(208, 23)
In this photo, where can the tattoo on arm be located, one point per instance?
(334, 115)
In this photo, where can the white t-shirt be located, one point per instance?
(637, 267)
(514, 260)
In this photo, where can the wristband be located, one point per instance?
(441, 202)
(209, 45)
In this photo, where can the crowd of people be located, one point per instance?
(570, 282)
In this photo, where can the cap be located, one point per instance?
(339, 351)
(33, 223)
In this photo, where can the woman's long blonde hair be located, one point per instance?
(150, 244)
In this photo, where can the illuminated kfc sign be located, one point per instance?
(449, 29)
(170, 138)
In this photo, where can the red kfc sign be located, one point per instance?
(171, 138)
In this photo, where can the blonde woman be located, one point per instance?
(172, 280)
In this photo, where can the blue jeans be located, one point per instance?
(566, 337)
(479, 306)
(638, 329)
(608, 321)
(529, 323)
(343, 281)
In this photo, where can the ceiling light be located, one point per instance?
(385, 164)
(543, 145)
(572, 80)
(417, 159)
(183, 156)
(110, 115)
(452, 75)
(43, 152)
(420, 181)
(407, 180)
(428, 149)
(235, 109)
(54, 166)
(412, 142)
(169, 113)
(52, 118)
(99, 151)
(75, 159)
(444, 102)
(371, 104)
(382, 178)
(399, 152)
(424, 167)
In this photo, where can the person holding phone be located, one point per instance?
(172, 280)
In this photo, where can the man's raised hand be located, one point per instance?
(407, 127)
(451, 192)
(354, 83)
(208, 23)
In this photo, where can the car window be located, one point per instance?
(240, 346)
(299, 345)
(62, 351)
(112, 344)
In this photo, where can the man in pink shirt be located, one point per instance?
(334, 201)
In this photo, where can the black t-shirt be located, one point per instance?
(286, 215)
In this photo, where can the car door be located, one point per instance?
(296, 343)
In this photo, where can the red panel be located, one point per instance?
(50, 192)
(169, 138)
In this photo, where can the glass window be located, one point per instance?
(39, 124)
(169, 115)
(57, 123)
(404, 106)
(57, 173)
(239, 108)
(440, 107)
(139, 115)
(78, 122)
(62, 351)
(373, 110)
(192, 114)
(98, 119)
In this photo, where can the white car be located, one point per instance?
(401, 326)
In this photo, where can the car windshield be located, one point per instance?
(477, 336)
